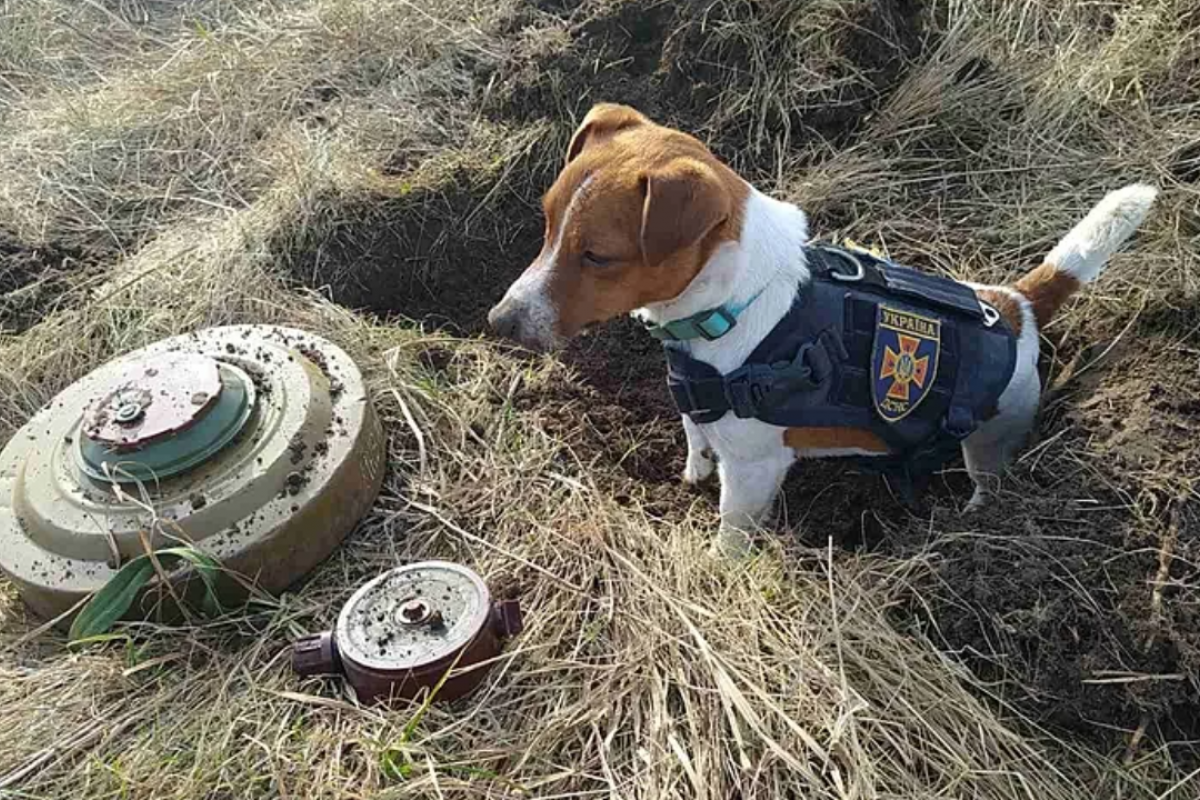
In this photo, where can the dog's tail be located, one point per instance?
(1081, 255)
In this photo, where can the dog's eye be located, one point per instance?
(593, 260)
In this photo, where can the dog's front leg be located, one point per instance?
(748, 488)
(699, 456)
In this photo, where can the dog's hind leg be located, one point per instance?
(992, 446)
(990, 449)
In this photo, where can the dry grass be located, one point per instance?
(195, 149)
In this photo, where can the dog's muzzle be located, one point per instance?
(516, 319)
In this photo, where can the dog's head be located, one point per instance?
(633, 217)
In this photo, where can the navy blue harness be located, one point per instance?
(916, 359)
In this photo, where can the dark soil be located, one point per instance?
(1077, 592)
(675, 60)
(32, 279)
(442, 256)
(1074, 596)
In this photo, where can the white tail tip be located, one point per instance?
(1084, 251)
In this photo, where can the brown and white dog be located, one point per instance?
(645, 220)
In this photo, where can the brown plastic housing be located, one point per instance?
(402, 632)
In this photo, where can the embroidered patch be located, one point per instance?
(904, 361)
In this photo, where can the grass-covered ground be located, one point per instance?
(370, 170)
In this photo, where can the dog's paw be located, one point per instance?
(730, 545)
(699, 468)
(976, 503)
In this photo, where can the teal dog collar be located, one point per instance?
(708, 325)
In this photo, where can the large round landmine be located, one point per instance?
(258, 444)
(402, 632)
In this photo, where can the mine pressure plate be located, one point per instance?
(255, 444)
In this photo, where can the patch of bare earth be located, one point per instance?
(32, 281)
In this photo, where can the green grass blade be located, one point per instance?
(208, 568)
(112, 600)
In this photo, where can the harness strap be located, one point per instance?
(846, 266)
(707, 397)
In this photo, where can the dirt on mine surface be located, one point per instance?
(1072, 596)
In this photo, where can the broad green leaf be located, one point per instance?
(113, 599)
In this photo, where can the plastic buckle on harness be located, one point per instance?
(812, 364)
(746, 387)
(800, 375)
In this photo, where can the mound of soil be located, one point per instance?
(1076, 593)
(32, 280)
(679, 62)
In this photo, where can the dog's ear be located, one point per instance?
(684, 201)
(602, 121)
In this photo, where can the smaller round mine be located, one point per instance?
(389, 624)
